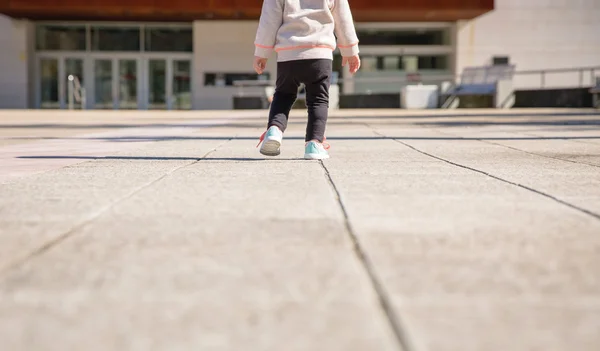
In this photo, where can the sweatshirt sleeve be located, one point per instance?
(345, 32)
(271, 19)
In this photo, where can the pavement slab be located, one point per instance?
(426, 230)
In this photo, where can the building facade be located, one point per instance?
(182, 55)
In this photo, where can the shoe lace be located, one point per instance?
(262, 138)
(326, 145)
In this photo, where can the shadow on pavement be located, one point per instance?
(166, 158)
(185, 138)
(261, 122)
(585, 122)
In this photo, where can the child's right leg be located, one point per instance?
(285, 95)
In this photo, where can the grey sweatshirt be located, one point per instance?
(304, 29)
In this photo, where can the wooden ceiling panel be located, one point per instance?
(187, 10)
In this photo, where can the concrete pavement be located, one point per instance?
(429, 230)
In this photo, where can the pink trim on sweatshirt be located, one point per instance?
(264, 47)
(347, 46)
(305, 47)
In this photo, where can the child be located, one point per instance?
(302, 34)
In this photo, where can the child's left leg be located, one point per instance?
(317, 78)
(317, 81)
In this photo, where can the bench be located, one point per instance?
(595, 91)
(255, 94)
(259, 95)
(493, 82)
(252, 94)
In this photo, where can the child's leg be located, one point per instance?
(317, 76)
(285, 95)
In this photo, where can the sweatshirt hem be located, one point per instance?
(320, 52)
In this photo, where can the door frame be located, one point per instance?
(89, 77)
(62, 75)
(114, 58)
(169, 58)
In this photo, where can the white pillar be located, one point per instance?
(14, 63)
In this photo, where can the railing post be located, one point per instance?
(581, 78)
(543, 76)
(71, 92)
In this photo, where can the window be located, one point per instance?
(433, 62)
(404, 37)
(61, 38)
(115, 39)
(500, 60)
(169, 40)
(49, 83)
(108, 38)
(227, 79)
(410, 63)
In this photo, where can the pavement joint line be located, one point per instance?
(580, 209)
(588, 212)
(397, 325)
(540, 155)
(71, 232)
(517, 149)
(580, 141)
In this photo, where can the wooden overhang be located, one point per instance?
(189, 10)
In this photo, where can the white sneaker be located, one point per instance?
(271, 142)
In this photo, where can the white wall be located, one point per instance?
(535, 34)
(14, 63)
(223, 46)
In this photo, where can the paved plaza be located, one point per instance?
(464, 230)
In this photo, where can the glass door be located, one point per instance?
(169, 84)
(103, 84)
(181, 83)
(157, 84)
(53, 86)
(116, 83)
(76, 93)
(48, 83)
(128, 84)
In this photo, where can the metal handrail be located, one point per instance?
(449, 77)
(399, 79)
(544, 72)
(76, 92)
(592, 70)
(559, 70)
(451, 80)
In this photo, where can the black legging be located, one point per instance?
(316, 76)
